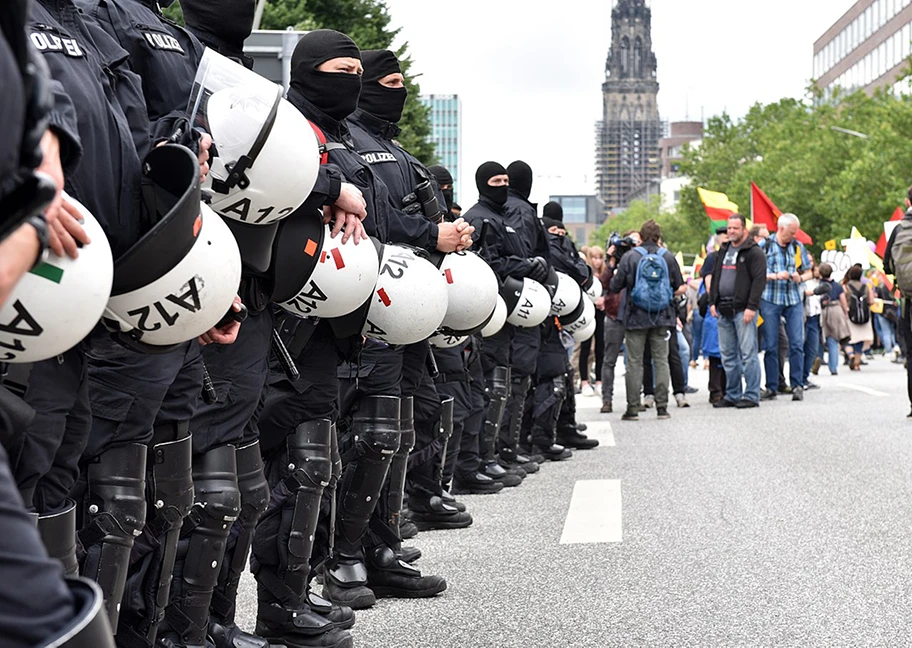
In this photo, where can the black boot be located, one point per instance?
(574, 438)
(554, 452)
(476, 484)
(508, 477)
(299, 628)
(390, 577)
(408, 554)
(341, 616)
(434, 513)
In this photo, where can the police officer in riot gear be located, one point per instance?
(565, 258)
(373, 128)
(523, 216)
(504, 249)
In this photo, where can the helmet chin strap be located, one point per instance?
(237, 176)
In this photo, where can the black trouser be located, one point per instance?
(716, 379)
(205, 571)
(599, 338)
(423, 477)
(524, 354)
(287, 405)
(35, 602)
(905, 325)
(44, 458)
(463, 451)
(550, 387)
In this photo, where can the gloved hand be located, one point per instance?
(539, 270)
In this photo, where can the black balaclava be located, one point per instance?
(335, 93)
(555, 212)
(520, 178)
(378, 100)
(443, 177)
(496, 195)
(229, 21)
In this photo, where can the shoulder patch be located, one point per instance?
(160, 41)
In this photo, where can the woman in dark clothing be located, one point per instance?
(595, 257)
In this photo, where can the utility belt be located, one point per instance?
(455, 376)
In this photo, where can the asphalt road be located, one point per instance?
(786, 525)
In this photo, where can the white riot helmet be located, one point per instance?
(446, 341)
(567, 297)
(580, 319)
(528, 302)
(586, 332)
(268, 155)
(343, 277)
(593, 288)
(181, 277)
(471, 291)
(498, 319)
(409, 301)
(57, 304)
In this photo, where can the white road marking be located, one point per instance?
(600, 430)
(864, 390)
(595, 513)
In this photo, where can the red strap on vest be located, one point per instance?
(324, 154)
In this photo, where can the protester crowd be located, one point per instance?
(756, 293)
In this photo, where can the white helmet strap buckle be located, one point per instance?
(237, 176)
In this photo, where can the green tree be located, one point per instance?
(367, 22)
(799, 153)
(677, 232)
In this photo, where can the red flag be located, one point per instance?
(881, 248)
(764, 212)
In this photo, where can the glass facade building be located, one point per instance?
(866, 48)
(582, 215)
(446, 132)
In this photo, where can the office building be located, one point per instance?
(446, 133)
(866, 48)
(582, 215)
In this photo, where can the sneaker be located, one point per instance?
(606, 409)
(587, 390)
(798, 394)
(785, 389)
(630, 416)
(811, 385)
(662, 413)
(690, 390)
(746, 404)
(681, 401)
(723, 403)
(649, 401)
(767, 394)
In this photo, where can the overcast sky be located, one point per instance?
(530, 79)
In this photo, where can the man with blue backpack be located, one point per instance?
(650, 275)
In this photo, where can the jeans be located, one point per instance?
(636, 341)
(885, 332)
(738, 343)
(614, 339)
(811, 344)
(684, 351)
(832, 345)
(697, 336)
(794, 327)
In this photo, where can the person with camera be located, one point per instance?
(734, 299)
(650, 276)
(616, 247)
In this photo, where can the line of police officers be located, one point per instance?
(155, 461)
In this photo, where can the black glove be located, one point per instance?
(538, 270)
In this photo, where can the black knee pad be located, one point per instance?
(500, 382)
(309, 452)
(172, 480)
(217, 506)
(376, 425)
(115, 515)
(58, 533)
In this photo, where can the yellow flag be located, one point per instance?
(797, 258)
(759, 320)
(855, 233)
(830, 245)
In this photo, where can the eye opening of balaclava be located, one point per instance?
(335, 93)
(520, 178)
(376, 99)
(496, 195)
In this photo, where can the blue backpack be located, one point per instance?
(651, 289)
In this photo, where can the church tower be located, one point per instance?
(627, 138)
